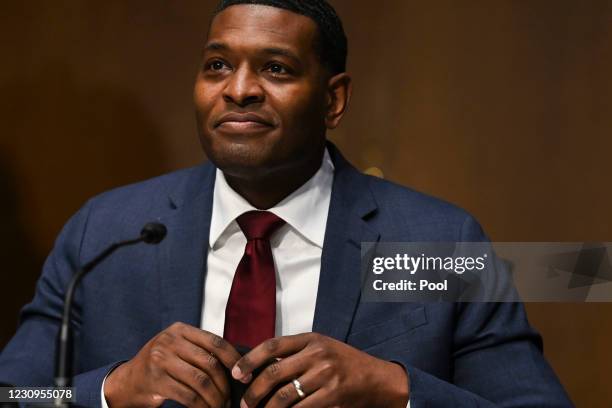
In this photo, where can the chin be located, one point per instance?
(245, 171)
(242, 160)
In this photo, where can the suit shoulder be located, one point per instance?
(149, 193)
(426, 217)
(393, 196)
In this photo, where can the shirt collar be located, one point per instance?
(305, 210)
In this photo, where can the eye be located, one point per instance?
(216, 65)
(277, 69)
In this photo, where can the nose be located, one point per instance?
(243, 88)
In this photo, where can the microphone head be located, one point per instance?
(153, 233)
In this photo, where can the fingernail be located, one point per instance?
(243, 404)
(239, 375)
(236, 372)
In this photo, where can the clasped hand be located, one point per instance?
(185, 364)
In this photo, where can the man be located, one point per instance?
(158, 324)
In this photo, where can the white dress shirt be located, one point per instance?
(296, 249)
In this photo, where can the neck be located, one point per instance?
(266, 191)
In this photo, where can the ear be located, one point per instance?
(339, 89)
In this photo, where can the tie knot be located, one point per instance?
(259, 224)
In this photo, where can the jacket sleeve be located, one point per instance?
(29, 357)
(497, 358)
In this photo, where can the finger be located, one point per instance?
(196, 380)
(174, 339)
(278, 372)
(222, 349)
(288, 396)
(184, 395)
(207, 362)
(266, 351)
(320, 398)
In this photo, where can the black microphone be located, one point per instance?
(151, 233)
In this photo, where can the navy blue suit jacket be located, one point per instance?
(457, 355)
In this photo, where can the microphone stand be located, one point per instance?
(152, 233)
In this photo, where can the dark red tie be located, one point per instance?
(250, 315)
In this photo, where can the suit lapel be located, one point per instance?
(339, 282)
(183, 259)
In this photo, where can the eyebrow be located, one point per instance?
(282, 52)
(215, 46)
(219, 46)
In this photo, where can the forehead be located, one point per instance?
(247, 25)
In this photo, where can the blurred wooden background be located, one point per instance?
(503, 107)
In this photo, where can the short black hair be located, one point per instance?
(332, 45)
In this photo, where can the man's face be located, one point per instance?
(261, 93)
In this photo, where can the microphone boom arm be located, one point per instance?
(152, 233)
(63, 371)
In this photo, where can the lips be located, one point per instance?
(243, 121)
